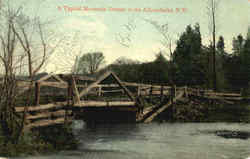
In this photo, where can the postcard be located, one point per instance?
(141, 79)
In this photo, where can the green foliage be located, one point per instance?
(248, 33)
(238, 65)
(187, 55)
(221, 45)
(238, 45)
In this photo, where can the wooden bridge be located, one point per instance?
(91, 100)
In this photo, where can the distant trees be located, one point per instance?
(147, 72)
(89, 63)
(156, 71)
(238, 64)
(126, 69)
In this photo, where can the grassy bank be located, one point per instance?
(45, 140)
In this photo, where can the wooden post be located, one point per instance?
(100, 91)
(162, 87)
(151, 92)
(37, 93)
(74, 89)
(186, 91)
(69, 99)
(138, 90)
(174, 91)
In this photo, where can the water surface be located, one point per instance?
(158, 141)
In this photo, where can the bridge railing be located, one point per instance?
(48, 114)
(214, 95)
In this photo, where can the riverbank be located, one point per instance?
(206, 111)
(40, 141)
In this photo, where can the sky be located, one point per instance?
(97, 28)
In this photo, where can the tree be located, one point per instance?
(22, 38)
(212, 9)
(248, 32)
(238, 65)
(89, 63)
(238, 45)
(245, 59)
(187, 55)
(221, 45)
(8, 91)
(127, 69)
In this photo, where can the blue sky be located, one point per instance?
(97, 30)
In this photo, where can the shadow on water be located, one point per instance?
(111, 130)
(230, 134)
(105, 133)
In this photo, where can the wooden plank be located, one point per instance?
(100, 91)
(54, 84)
(131, 96)
(42, 107)
(112, 91)
(45, 77)
(47, 122)
(210, 92)
(84, 78)
(23, 83)
(223, 94)
(75, 91)
(104, 103)
(59, 79)
(47, 114)
(143, 86)
(37, 93)
(223, 98)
